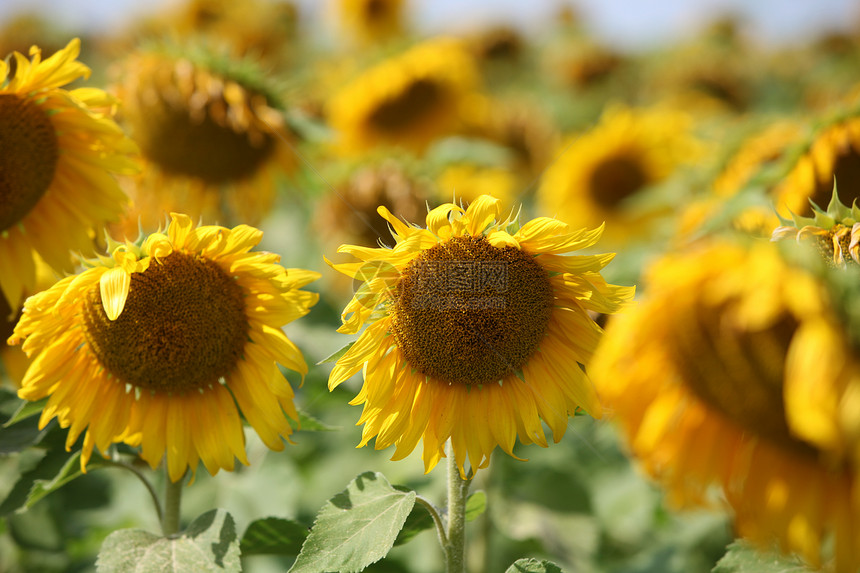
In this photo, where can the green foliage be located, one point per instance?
(356, 527)
(273, 535)
(741, 557)
(208, 545)
(533, 566)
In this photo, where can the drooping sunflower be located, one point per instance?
(162, 345)
(833, 152)
(59, 152)
(408, 100)
(738, 370)
(476, 332)
(210, 131)
(600, 173)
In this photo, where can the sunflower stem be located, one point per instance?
(437, 519)
(458, 491)
(172, 503)
(149, 487)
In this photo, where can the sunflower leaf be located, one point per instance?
(26, 410)
(209, 545)
(336, 355)
(273, 536)
(741, 557)
(308, 423)
(31, 485)
(533, 566)
(356, 527)
(476, 504)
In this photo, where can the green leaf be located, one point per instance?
(26, 410)
(273, 536)
(356, 527)
(533, 566)
(336, 356)
(308, 423)
(22, 436)
(418, 520)
(741, 557)
(54, 468)
(476, 504)
(209, 545)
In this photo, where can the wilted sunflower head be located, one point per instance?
(162, 344)
(477, 330)
(831, 153)
(406, 101)
(59, 152)
(601, 173)
(210, 130)
(745, 377)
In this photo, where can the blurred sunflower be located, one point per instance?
(370, 22)
(162, 345)
(607, 168)
(476, 332)
(744, 377)
(756, 162)
(407, 101)
(210, 132)
(833, 152)
(469, 181)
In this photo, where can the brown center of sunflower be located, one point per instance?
(183, 326)
(375, 9)
(415, 101)
(739, 372)
(616, 178)
(470, 313)
(29, 152)
(846, 171)
(201, 147)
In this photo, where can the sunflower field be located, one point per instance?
(489, 298)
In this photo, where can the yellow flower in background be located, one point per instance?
(408, 100)
(213, 141)
(603, 173)
(468, 182)
(833, 152)
(736, 370)
(161, 346)
(59, 151)
(476, 332)
(370, 22)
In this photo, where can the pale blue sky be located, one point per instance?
(628, 22)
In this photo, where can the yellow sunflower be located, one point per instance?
(59, 151)
(408, 100)
(469, 181)
(832, 153)
(162, 345)
(601, 173)
(213, 140)
(370, 22)
(476, 332)
(736, 370)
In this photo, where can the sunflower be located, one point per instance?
(408, 100)
(737, 370)
(207, 127)
(475, 332)
(601, 172)
(370, 22)
(157, 345)
(469, 181)
(833, 152)
(59, 150)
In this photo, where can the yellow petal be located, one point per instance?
(114, 285)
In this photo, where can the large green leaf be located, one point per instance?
(533, 566)
(273, 536)
(54, 470)
(209, 545)
(741, 557)
(356, 527)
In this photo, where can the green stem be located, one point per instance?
(437, 519)
(458, 491)
(172, 502)
(146, 482)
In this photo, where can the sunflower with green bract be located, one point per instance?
(162, 345)
(210, 130)
(59, 152)
(477, 331)
(744, 375)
